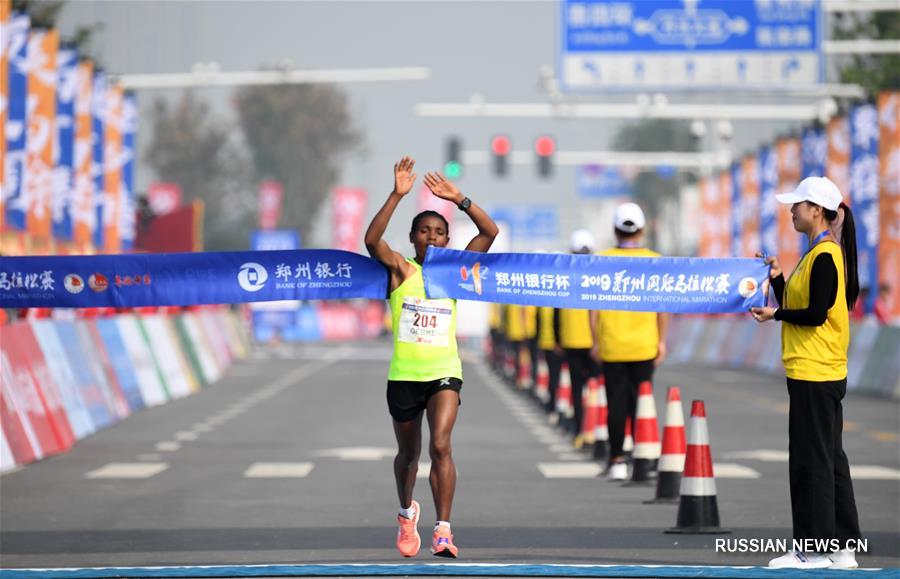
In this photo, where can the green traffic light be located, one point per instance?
(452, 170)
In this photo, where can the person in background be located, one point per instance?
(514, 326)
(574, 336)
(814, 306)
(629, 345)
(530, 344)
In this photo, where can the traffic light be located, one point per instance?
(544, 147)
(500, 148)
(453, 166)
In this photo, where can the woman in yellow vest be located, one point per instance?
(815, 335)
(426, 372)
(630, 345)
(547, 344)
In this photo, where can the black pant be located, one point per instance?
(554, 365)
(531, 345)
(581, 367)
(622, 382)
(822, 502)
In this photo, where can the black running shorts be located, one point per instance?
(407, 399)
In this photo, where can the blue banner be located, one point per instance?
(98, 141)
(15, 199)
(737, 209)
(64, 151)
(768, 205)
(188, 278)
(864, 187)
(664, 284)
(128, 225)
(814, 146)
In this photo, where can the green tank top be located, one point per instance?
(424, 333)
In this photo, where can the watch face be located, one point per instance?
(466, 203)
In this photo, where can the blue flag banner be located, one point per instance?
(181, 279)
(663, 284)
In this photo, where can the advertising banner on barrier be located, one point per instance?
(121, 362)
(64, 376)
(23, 441)
(92, 392)
(188, 278)
(149, 380)
(664, 284)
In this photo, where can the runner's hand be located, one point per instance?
(763, 314)
(772, 262)
(404, 178)
(443, 188)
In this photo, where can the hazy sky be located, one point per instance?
(491, 48)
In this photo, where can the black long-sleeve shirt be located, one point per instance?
(822, 294)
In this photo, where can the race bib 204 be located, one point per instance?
(426, 322)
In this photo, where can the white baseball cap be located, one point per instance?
(629, 218)
(582, 238)
(819, 190)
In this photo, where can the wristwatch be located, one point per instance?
(465, 204)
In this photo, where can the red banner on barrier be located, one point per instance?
(25, 395)
(14, 421)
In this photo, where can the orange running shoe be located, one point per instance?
(408, 540)
(442, 543)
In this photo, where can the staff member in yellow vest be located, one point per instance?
(514, 321)
(495, 323)
(576, 339)
(552, 354)
(531, 340)
(426, 373)
(814, 307)
(629, 345)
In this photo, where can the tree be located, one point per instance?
(191, 148)
(45, 13)
(650, 188)
(297, 135)
(873, 72)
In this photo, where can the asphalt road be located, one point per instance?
(288, 460)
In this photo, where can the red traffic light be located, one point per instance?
(501, 145)
(545, 145)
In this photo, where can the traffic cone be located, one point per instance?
(646, 439)
(698, 511)
(523, 377)
(542, 384)
(564, 398)
(674, 445)
(601, 428)
(589, 416)
(628, 441)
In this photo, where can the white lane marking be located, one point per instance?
(764, 455)
(569, 469)
(872, 472)
(358, 453)
(150, 457)
(167, 446)
(733, 470)
(202, 427)
(185, 436)
(279, 470)
(127, 470)
(560, 447)
(571, 456)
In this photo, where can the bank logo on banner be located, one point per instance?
(252, 277)
(476, 273)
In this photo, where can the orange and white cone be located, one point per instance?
(523, 376)
(542, 384)
(646, 439)
(698, 510)
(589, 416)
(564, 397)
(674, 446)
(601, 428)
